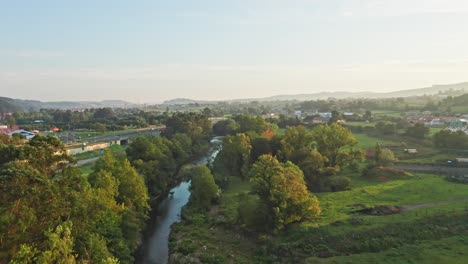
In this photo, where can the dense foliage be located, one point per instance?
(51, 213)
(281, 187)
(158, 159)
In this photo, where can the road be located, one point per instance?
(433, 169)
(86, 161)
(111, 137)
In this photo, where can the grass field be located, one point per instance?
(460, 109)
(366, 141)
(363, 124)
(98, 152)
(417, 189)
(87, 169)
(387, 113)
(89, 134)
(449, 250)
(227, 243)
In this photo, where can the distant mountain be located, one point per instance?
(184, 101)
(8, 105)
(449, 89)
(13, 105)
(322, 95)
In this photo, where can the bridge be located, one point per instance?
(104, 141)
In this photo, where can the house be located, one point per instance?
(28, 135)
(411, 151)
(318, 120)
(433, 122)
(298, 114)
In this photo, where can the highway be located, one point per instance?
(74, 141)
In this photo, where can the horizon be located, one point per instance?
(227, 100)
(155, 51)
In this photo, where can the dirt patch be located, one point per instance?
(380, 210)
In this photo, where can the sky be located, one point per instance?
(148, 51)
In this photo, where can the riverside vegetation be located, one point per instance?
(311, 196)
(52, 212)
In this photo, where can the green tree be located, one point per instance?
(368, 115)
(387, 157)
(236, 154)
(99, 127)
(132, 190)
(282, 189)
(249, 123)
(296, 142)
(449, 139)
(418, 131)
(332, 142)
(203, 187)
(11, 122)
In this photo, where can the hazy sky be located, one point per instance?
(153, 50)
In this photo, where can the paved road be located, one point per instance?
(111, 137)
(86, 161)
(433, 169)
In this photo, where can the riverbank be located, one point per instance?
(155, 248)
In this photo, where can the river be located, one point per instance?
(155, 249)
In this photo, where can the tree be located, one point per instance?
(59, 248)
(449, 139)
(131, 187)
(225, 127)
(387, 157)
(207, 112)
(104, 113)
(11, 122)
(297, 140)
(336, 116)
(417, 131)
(384, 156)
(251, 124)
(260, 146)
(368, 115)
(378, 153)
(331, 142)
(312, 165)
(203, 187)
(282, 189)
(236, 154)
(100, 127)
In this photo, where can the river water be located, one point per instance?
(156, 246)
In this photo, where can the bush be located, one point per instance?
(339, 183)
(253, 213)
(385, 173)
(186, 247)
(212, 259)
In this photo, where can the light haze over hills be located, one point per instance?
(16, 104)
(149, 51)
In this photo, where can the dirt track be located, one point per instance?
(418, 206)
(433, 169)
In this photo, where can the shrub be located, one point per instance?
(253, 213)
(212, 259)
(385, 172)
(339, 183)
(186, 247)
